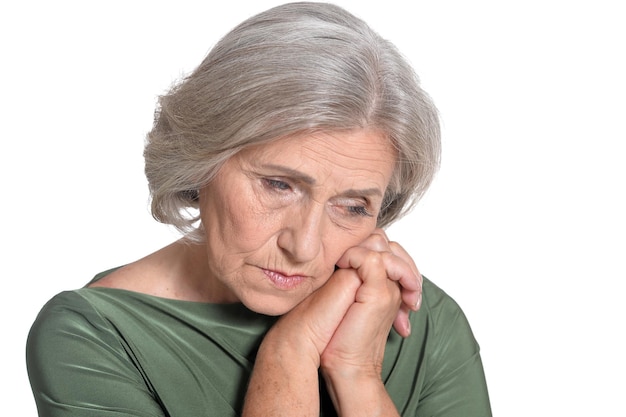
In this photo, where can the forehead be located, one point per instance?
(357, 158)
(354, 148)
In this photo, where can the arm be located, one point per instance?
(352, 361)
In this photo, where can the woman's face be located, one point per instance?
(279, 216)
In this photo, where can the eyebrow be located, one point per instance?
(306, 179)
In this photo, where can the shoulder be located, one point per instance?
(67, 316)
(77, 360)
(451, 360)
(147, 275)
(68, 332)
(65, 306)
(445, 315)
(449, 337)
(447, 332)
(131, 277)
(164, 273)
(74, 331)
(78, 325)
(440, 306)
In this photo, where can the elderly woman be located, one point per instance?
(281, 158)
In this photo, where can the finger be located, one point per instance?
(393, 268)
(401, 271)
(318, 315)
(398, 250)
(410, 288)
(410, 284)
(402, 323)
(377, 241)
(377, 288)
(406, 274)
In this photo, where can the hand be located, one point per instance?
(399, 266)
(352, 361)
(310, 325)
(391, 286)
(285, 375)
(343, 328)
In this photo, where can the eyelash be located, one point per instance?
(359, 211)
(276, 184)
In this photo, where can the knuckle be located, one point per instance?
(392, 291)
(374, 259)
(377, 242)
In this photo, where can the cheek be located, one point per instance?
(245, 229)
(335, 246)
(235, 216)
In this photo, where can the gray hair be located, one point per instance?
(296, 68)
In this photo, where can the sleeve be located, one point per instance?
(78, 365)
(456, 385)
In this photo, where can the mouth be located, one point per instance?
(283, 281)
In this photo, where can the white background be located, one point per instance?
(524, 225)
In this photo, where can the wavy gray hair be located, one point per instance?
(296, 68)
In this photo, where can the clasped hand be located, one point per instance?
(345, 324)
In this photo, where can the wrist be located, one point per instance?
(284, 378)
(359, 393)
(290, 346)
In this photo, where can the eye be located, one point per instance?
(276, 184)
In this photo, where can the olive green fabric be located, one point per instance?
(110, 352)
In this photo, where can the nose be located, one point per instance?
(301, 235)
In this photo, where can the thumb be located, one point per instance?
(321, 313)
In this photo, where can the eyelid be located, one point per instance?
(355, 206)
(353, 201)
(273, 183)
(361, 211)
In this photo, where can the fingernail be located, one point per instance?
(418, 303)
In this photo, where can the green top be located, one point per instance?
(111, 352)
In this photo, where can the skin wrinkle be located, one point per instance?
(322, 159)
(303, 229)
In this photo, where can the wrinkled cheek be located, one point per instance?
(326, 275)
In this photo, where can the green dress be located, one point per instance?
(112, 352)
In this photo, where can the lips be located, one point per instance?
(284, 282)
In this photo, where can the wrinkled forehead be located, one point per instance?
(350, 142)
(363, 157)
